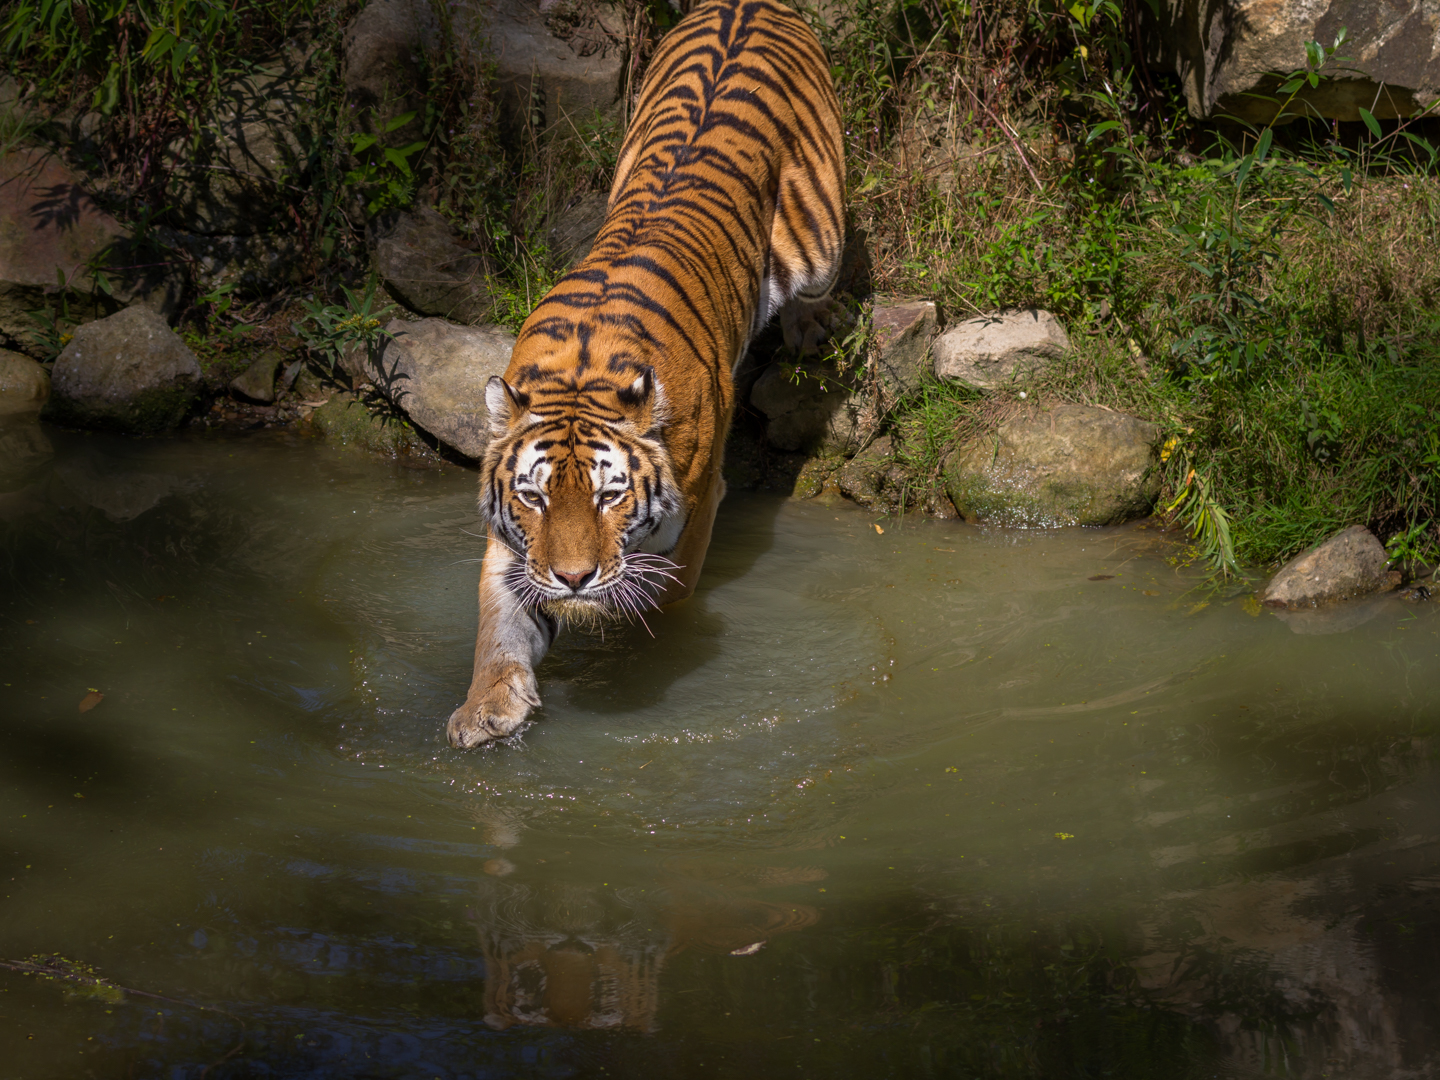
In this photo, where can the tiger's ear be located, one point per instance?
(506, 405)
(643, 400)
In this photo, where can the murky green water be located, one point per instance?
(932, 802)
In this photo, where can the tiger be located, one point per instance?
(602, 475)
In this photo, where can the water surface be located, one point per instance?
(929, 801)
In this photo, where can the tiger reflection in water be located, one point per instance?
(583, 957)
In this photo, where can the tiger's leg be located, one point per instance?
(689, 553)
(511, 641)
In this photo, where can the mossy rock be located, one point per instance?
(345, 421)
(1065, 465)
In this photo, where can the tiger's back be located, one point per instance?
(609, 425)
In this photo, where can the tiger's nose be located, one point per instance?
(576, 581)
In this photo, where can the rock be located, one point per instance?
(571, 233)
(24, 384)
(987, 352)
(49, 228)
(1332, 618)
(873, 478)
(540, 80)
(427, 269)
(1066, 465)
(1351, 563)
(901, 347)
(345, 421)
(254, 263)
(1226, 51)
(232, 176)
(385, 69)
(436, 372)
(808, 406)
(128, 371)
(257, 382)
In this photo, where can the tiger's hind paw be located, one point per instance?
(807, 325)
(502, 704)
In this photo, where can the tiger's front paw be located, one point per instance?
(497, 705)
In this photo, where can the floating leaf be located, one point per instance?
(879, 530)
(1064, 836)
(90, 700)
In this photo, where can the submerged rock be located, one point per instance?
(1351, 563)
(129, 372)
(988, 352)
(436, 372)
(428, 270)
(24, 384)
(1066, 465)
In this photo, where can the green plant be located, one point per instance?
(1414, 546)
(331, 332)
(382, 173)
(1207, 523)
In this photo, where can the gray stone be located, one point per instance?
(257, 382)
(436, 372)
(873, 478)
(542, 81)
(233, 175)
(809, 406)
(988, 352)
(255, 262)
(1226, 53)
(384, 69)
(570, 233)
(24, 384)
(1065, 465)
(52, 234)
(901, 350)
(427, 269)
(1351, 563)
(128, 371)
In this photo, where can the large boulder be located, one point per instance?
(427, 269)
(128, 372)
(1228, 52)
(542, 80)
(987, 352)
(51, 231)
(436, 372)
(24, 384)
(385, 66)
(1351, 563)
(347, 421)
(235, 172)
(251, 263)
(570, 233)
(1064, 465)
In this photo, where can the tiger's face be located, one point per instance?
(582, 493)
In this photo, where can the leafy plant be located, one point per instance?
(1207, 523)
(332, 332)
(383, 173)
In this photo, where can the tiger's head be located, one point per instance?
(578, 484)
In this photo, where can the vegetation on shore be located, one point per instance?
(1267, 295)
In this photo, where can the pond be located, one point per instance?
(886, 798)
